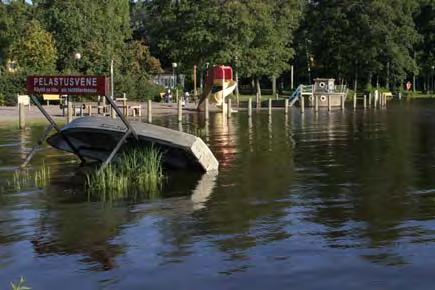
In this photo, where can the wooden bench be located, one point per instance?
(387, 94)
(49, 97)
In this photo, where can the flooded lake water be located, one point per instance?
(340, 200)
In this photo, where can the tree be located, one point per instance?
(425, 50)
(374, 38)
(258, 33)
(34, 51)
(13, 19)
(96, 29)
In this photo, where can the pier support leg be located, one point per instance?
(207, 113)
(180, 110)
(21, 116)
(270, 107)
(354, 101)
(250, 107)
(229, 109)
(302, 104)
(149, 111)
(286, 106)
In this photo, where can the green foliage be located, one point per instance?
(96, 29)
(137, 87)
(257, 33)
(10, 86)
(13, 18)
(34, 50)
(24, 178)
(366, 37)
(137, 171)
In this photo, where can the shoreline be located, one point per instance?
(9, 115)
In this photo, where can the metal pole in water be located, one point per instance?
(302, 104)
(150, 112)
(21, 116)
(370, 100)
(207, 115)
(329, 103)
(316, 103)
(365, 102)
(270, 107)
(286, 106)
(180, 110)
(250, 107)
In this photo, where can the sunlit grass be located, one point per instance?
(25, 178)
(20, 285)
(136, 172)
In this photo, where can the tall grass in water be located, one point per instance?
(137, 171)
(24, 178)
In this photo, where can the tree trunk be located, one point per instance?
(273, 86)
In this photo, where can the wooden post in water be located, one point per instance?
(21, 116)
(270, 107)
(206, 109)
(302, 104)
(89, 110)
(329, 103)
(316, 103)
(150, 112)
(229, 109)
(124, 104)
(365, 102)
(250, 107)
(354, 101)
(286, 106)
(342, 99)
(370, 100)
(180, 110)
(69, 110)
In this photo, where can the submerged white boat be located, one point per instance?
(96, 137)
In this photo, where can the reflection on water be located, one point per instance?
(320, 201)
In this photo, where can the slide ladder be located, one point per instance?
(300, 91)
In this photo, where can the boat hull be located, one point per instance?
(95, 138)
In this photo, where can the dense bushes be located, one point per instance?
(10, 86)
(136, 88)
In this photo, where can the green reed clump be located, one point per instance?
(24, 178)
(42, 176)
(136, 171)
(20, 285)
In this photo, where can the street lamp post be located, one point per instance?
(77, 57)
(174, 81)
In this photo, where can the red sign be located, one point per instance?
(68, 85)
